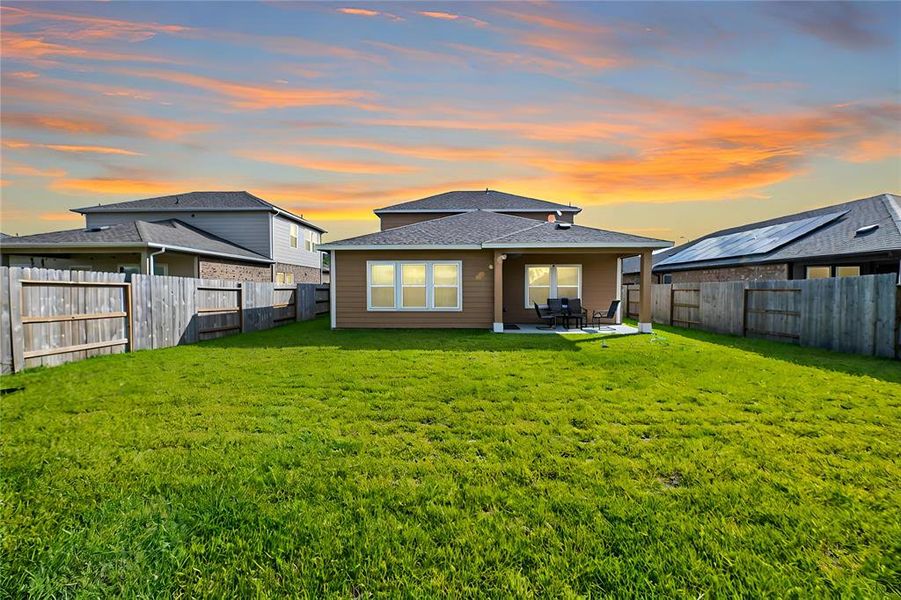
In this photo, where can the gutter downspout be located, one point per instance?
(150, 259)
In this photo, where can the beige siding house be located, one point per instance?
(476, 259)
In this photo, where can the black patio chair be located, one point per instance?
(575, 310)
(545, 315)
(597, 315)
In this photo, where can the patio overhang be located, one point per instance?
(570, 253)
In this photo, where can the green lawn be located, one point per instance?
(305, 462)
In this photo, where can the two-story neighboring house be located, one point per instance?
(211, 235)
(478, 259)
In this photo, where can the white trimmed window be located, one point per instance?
(289, 278)
(308, 240)
(292, 235)
(414, 285)
(279, 278)
(552, 281)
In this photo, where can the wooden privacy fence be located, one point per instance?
(859, 315)
(49, 317)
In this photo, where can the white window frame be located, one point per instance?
(293, 234)
(552, 292)
(429, 286)
(309, 243)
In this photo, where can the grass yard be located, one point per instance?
(305, 462)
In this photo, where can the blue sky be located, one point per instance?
(666, 119)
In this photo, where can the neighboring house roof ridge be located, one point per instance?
(224, 200)
(172, 234)
(470, 200)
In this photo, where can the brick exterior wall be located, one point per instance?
(301, 274)
(744, 273)
(211, 268)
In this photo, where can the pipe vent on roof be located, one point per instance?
(563, 225)
(866, 229)
(101, 228)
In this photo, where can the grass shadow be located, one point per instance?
(885, 369)
(317, 333)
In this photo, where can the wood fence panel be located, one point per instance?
(661, 297)
(6, 347)
(722, 306)
(322, 299)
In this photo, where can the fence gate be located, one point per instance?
(631, 305)
(685, 306)
(54, 320)
(772, 312)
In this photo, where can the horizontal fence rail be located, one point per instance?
(859, 315)
(49, 317)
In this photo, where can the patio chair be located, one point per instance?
(597, 315)
(575, 310)
(545, 315)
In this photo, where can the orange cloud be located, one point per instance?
(110, 124)
(24, 75)
(365, 12)
(90, 27)
(426, 152)
(118, 186)
(549, 22)
(335, 166)
(446, 16)
(21, 170)
(259, 97)
(556, 132)
(21, 145)
(36, 50)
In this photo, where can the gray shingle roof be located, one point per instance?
(469, 200)
(169, 233)
(196, 201)
(836, 238)
(484, 229)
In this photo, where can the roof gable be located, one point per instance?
(198, 201)
(471, 200)
(485, 229)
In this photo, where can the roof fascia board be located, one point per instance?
(648, 244)
(210, 253)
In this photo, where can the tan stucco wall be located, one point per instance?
(349, 279)
(598, 282)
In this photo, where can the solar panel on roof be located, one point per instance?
(749, 242)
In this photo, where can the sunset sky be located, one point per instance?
(668, 120)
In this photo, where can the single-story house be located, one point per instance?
(477, 259)
(210, 235)
(860, 237)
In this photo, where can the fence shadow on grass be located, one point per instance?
(317, 333)
(884, 369)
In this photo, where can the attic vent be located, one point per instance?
(101, 228)
(866, 229)
(563, 225)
